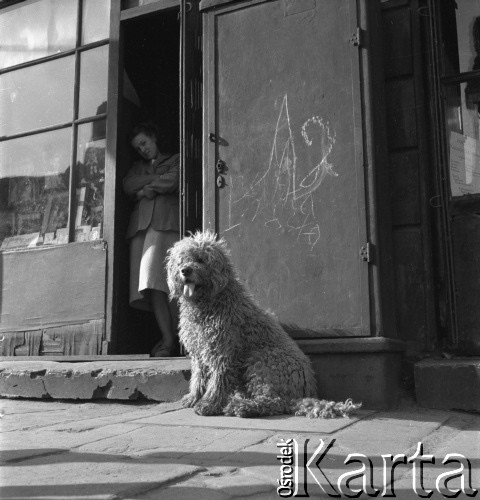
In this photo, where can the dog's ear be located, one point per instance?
(219, 262)
(219, 281)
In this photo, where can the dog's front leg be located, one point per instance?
(197, 384)
(220, 386)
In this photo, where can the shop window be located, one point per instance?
(95, 20)
(35, 29)
(128, 4)
(93, 81)
(53, 104)
(461, 48)
(461, 89)
(37, 96)
(456, 64)
(34, 189)
(462, 120)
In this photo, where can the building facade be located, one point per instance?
(332, 143)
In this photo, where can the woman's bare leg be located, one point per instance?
(161, 309)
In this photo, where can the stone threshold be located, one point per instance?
(81, 358)
(159, 379)
(136, 377)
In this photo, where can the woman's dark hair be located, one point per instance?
(148, 128)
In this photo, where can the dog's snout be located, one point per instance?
(186, 271)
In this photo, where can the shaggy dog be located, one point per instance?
(243, 362)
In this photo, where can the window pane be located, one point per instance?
(37, 96)
(34, 180)
(90, 181)
(463, 132)
(35, 29)
(461, 39)
(128, 4)
(93, 82)
(96, 20)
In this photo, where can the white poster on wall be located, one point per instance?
(464, 164)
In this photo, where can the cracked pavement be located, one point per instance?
(143, 450)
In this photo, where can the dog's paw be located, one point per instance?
(206, 408)
(189, 400)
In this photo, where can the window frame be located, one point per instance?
(445, 205)
(446, 79)
(75, 122)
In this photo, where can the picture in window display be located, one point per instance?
(34, 209)
(89, 199)
(31, 212)
(90, 175)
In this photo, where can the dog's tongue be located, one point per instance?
(188, 289)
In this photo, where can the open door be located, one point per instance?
(283, 158)
(159, 80)
(190, 116)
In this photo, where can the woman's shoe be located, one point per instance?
(162, 351)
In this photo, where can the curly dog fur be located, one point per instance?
(243, 362)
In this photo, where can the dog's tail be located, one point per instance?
(263, 406)
(322, 408)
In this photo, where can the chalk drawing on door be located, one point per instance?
(282, 196)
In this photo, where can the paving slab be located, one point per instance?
(465, 442)
(158, 380)
(176, 444)
(236, 483)
(27, 421)
(184, 492)
(159, 451)
(20, 445)
(287, 423)
(87, 476)
(88, 414)
(391, 432)
(383, 433)
(89, 421)
(14, 407)
(260, 461)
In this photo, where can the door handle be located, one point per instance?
(217, 139)
(221, 167)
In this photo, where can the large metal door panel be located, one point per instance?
(282, 111)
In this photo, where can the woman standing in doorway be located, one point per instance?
(152, 183)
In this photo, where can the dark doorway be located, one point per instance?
(151, 66)
(151, 63)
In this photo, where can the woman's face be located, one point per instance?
(145, 146)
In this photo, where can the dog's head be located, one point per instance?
(198, 267)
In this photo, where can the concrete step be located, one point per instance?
(164, 379)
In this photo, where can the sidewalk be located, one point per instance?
(111, 450)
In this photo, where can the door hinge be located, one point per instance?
(357, 38)
(366, 252)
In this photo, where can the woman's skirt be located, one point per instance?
(148, 251)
